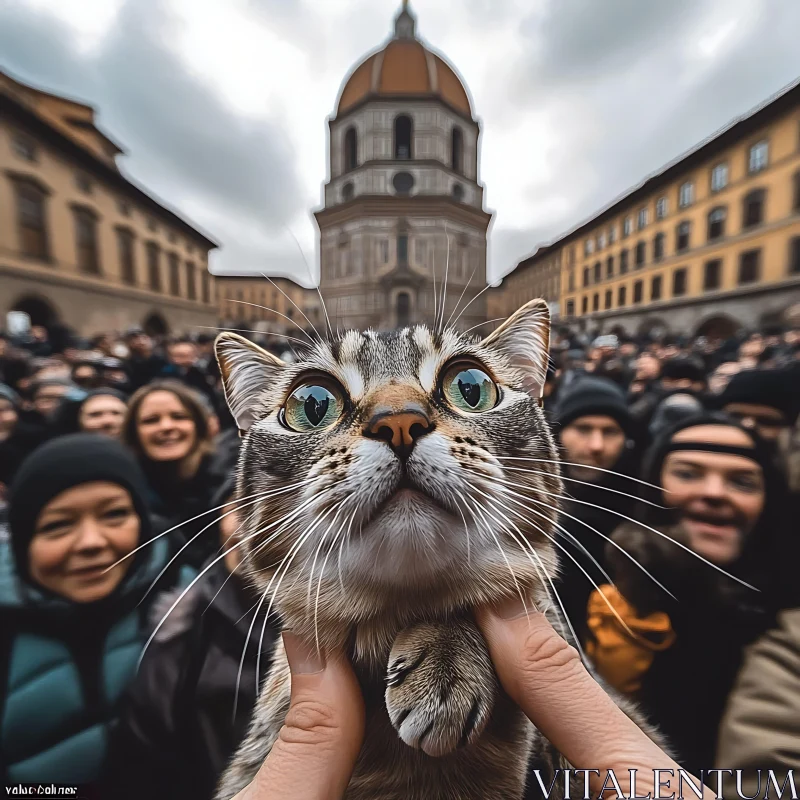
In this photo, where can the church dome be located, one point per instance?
(404, 68)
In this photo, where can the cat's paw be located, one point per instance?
(440, 686)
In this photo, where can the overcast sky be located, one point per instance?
(221, 104)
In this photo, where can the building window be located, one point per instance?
(716, 223)
(402, 248)
(794, 256)
(642, 218)
(621, 299)
(174, 275)
(588, 247)
(86, 240)
(384, 248)
(127, 266)
(749, 266)
(609, 299)
(24, 147)
(585, 305)
(612, 234)
(712, 275)
(661, 208)
(347, 192)
(658, 247)
(403, 309)
(191, 289)
(682, 236)
(759, 156)
(623, 262)
(457, 150)
(596, 302)
(610, 267)
(205, 282)
(796, 200)
(403, 137)
(686, 194)
(640, 254)
(601, 241)
(350, 149)
(153, 266)
(753, 208)
(719, 177)
(587, 276)
(598, 272)
(679, 282)
(82, 183)
(458, 193)
(570, 308)
(124, 208)
(655, 288)
(31, 219)
(627, 226)
(638, 292)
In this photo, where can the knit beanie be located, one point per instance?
(683, 368)
(775, 388)
(62, 464)
(589, 396)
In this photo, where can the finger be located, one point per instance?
(319, 742)
(544, 675)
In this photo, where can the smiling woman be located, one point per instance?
(73, 616)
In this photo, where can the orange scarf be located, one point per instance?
(622, 659)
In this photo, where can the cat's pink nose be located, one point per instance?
(399, 430)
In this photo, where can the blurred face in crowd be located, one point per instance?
(166, 429)
(140, 344)
(48, 398)
(8, 418)
(720, 495)
(104, 414)
(722, 375)
(86, 376)
(683, 384)
(767, 421)
(752, 348)
(183, 354)
(53, 369)
(628, 349)
(39, 333)
(647, 367)
(670, 351)
(80, 536)
(592, 441)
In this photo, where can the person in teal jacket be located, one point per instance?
(71, 591)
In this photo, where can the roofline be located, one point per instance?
(46, 92)
(737, 128)
(372, 97)
(261, 276)
(111, 174)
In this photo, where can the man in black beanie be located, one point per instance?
(597, 437)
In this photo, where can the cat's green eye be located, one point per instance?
(469, 388)
(313, 407)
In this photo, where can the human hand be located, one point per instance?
(317, 747)
(545, 677)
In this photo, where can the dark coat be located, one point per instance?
(177, 730)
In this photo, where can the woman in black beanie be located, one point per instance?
(100, 411)
(720, 551)
(73, 621)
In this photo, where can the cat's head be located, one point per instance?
(380, 472)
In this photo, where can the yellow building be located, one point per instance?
(708, 244)
(253, 302)
(81, 244)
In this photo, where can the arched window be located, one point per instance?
(403, 310)
(458, 192)
(682, 234)
(347, 191)
(716, 222)
(350, 149)
(403, 137)
(457, 150)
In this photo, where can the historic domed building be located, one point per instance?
(403, 200)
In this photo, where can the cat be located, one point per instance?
(401, 516)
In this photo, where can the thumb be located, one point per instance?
(317, 747)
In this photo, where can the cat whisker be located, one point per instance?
(574, 464)
(458, 302)
(250, 330)
(641, 525)
(278, 313)
(346, 537)
(313, 327)
(480, 325)
(463, 310)
(437, 325)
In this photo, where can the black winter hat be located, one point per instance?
(589, 396)
(775, 388)
(683, 368)
(62, 464)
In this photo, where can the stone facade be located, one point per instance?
(403, 205)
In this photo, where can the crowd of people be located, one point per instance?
(679, 548)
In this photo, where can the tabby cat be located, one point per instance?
(399, 518)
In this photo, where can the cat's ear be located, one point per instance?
(246, 371)
(524, 339)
